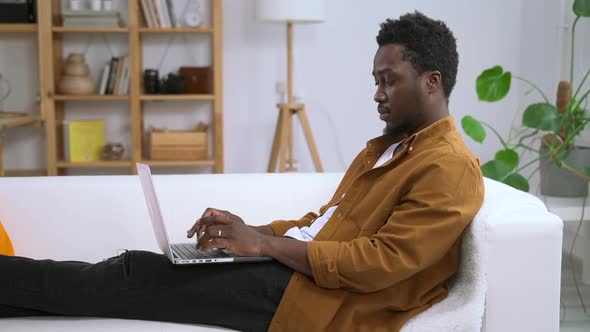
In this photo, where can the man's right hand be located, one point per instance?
(199, 229)
(265, 229)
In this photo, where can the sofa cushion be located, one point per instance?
(5, 243)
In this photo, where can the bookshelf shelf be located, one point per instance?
(91, 97)
(52, 41)
(94, 164)
(177, 97)
(17, 27)
(207, 162)
(177, 30)
(90, 30)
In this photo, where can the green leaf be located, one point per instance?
(582, 8)
(587, 169)
(473, 128)
(542, 116)
(517, 181)
(495, 169)
(493, 84)
(509, 157)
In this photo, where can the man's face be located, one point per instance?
(399, 91)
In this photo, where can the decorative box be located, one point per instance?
(178, 144)
(199, 80)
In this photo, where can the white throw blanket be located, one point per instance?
(463, 309)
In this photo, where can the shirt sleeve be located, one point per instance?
(280, 227)
(420, 231)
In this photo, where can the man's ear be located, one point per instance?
(433, 81)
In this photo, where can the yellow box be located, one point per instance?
(178, 145)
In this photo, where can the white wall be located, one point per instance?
(333, 63)
(333, 66)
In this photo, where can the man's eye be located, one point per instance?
(376, 83)
(389, 83)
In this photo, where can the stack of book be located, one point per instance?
(159, 14)
(91, 18)
(115, 77)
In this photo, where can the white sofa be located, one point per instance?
(513, 247)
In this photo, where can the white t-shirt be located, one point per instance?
(307, 233)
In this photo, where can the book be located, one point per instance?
(118, 75)
(104, 79)
(75, 22)
(121, 77)
(89, 13)
(157, 14)
(173, 21)
(147, 14)
(85, 140)
(149, 7)
(112, 76)
(164, 12)
(126, 75)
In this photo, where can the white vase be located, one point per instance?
(107, 5)
(96, 5)
(76, 4)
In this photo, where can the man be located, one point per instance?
(379, 253)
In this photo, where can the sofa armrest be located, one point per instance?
(524, 262)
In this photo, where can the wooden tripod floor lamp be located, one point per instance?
(290, 12)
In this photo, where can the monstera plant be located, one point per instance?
(553, 126)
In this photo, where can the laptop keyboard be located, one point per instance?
(188, 251)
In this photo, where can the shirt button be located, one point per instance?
(344, 194)
(411, 149)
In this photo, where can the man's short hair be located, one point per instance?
(429, 45)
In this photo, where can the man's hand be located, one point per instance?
(222, 229)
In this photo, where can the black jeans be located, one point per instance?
(145, 285)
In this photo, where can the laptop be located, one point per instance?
(181, 253)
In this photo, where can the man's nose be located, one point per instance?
(379, 96)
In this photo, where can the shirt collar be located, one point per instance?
(417, 141)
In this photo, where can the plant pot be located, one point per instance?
(556, 181)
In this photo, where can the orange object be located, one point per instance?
(5, 243)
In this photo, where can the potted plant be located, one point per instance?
(552, 126)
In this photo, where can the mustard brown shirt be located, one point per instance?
(394, 240)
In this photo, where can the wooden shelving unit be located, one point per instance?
(176, 30)
(14, 27)
(20, 119)
(51, 44)
(94, 164)
(89, 30)
(177, 97)
(180, 163)
(90, 98)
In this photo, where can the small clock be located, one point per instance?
(192, 16)
(192, 19)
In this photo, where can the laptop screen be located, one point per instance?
(149, 191)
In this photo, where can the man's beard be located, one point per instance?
(394, 131)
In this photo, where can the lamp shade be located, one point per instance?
(294, 11)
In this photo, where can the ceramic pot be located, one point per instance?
(76, 85)
(76, 77)
(556, 181)
(76, 69)
(76, 58)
